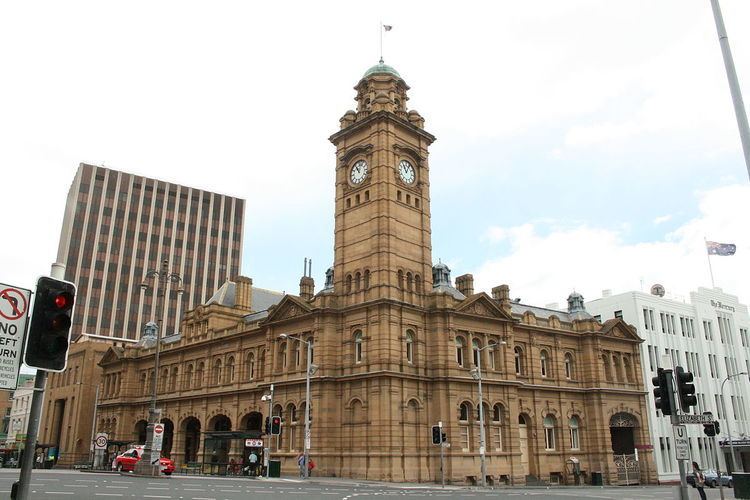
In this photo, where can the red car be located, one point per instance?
(126, 462)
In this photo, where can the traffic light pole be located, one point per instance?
(718, 469)
(674, 418)
(442, 455)
(32, 426)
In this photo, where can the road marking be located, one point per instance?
(193, 489)
(203, 498)
(118, 487)
(88, 481)
(75, 485)
(231, 491)
(155, 496)
(59, 493)
(153, 488)
(108, 494)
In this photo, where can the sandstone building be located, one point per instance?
(394, 344)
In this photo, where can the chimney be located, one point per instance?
(306, 283)
(465, 284)
(243, 294)
(502, 294)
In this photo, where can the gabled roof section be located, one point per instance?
(113, 355)
(616, 327)
(289, 307)
(482, 305)
(225, 295)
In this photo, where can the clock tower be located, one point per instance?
(383, 246)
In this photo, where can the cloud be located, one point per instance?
(544, 267)
(662, 219)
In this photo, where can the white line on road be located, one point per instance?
(76, 485)
(88, 481)
(155, 496)
(108, 494)
(59, 493)
(193, 489)
(118, 487)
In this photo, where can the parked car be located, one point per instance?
(712, 479)
(126, 461)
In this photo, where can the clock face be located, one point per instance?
(359, 172)
(406, 172)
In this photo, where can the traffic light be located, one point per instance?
(663, 391)
(436, 434)
(275, 426)
(711, 428)
(49, 330)
(685, 390)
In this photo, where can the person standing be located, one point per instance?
(253, 460)
(301, 464)
(700, 480)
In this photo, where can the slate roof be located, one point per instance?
(262, 299)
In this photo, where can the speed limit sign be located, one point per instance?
(100, 443)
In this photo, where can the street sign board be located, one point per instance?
(158, 439)
(14, 311)
(253, 443)
(100, 443)
(681, 446)
(705, 418)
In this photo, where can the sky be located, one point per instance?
(581, 145)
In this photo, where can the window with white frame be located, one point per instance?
(518, 360)
(409, 346)
(543, 361)
(568, 365)
(575, 440)
(358, 346)
(549, 432)
(460, 348)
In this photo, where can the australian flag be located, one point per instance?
(715, 248)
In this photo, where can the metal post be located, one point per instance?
(481, 421)
(93, 425)
(730, 468)
(307, 409)
(442, 454)
(32, 426)
(268, 450)
(718, 469)
(734, 85)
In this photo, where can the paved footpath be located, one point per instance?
(61, 484)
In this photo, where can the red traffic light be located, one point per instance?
(63, 300)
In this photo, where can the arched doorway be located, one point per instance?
(523, 442)
(622, 427)
(166, 446)
(191, 429)
(216, 451)
(139, 432)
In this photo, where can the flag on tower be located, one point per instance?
(387, 27)
(715, 248)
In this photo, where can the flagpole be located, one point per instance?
(381, 42)
(708, 256)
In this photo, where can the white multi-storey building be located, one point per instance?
(707, 336)
(19, 412)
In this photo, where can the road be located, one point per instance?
(62, 484)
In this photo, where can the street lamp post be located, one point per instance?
(476, 373)
(729, 427)
(267, 451)
(163, 278)
(311, 369)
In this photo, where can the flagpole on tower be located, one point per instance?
(381, 42)
(708, 256)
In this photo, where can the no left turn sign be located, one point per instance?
(13, 303)
(14, 307)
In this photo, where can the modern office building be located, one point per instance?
(398, 348)
(117, 226)
(708, 336)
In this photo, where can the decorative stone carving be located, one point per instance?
(622, 419)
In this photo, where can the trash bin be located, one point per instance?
(274, 468)
(596, 479)
(741, 482)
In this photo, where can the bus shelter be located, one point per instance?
(227, 452)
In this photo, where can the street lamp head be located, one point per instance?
(144, 286)
(475, 374)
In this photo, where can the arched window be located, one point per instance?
(173, 379)
(617, 367)
(357, 281)
(409, 346)
(543, 361)
(358, 346)
(518, 359)
(476, 345)
(492, 353)
(418, 283)
(199, 375)
(568, 364)
(549, 432)
(188, 381)
(261, 362)
(607, 368)
(575, 440)
(401, 279)
(144, 385)
(291, 419)
(348, 283)
(216, 374)
(464, 427)
(628, 372)
(297, 346)
(498, 422)
(463, 413)
(229, 370)
(460, 346)
(281, 362)
(367, 279)
(250, 366)
(163, 380)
